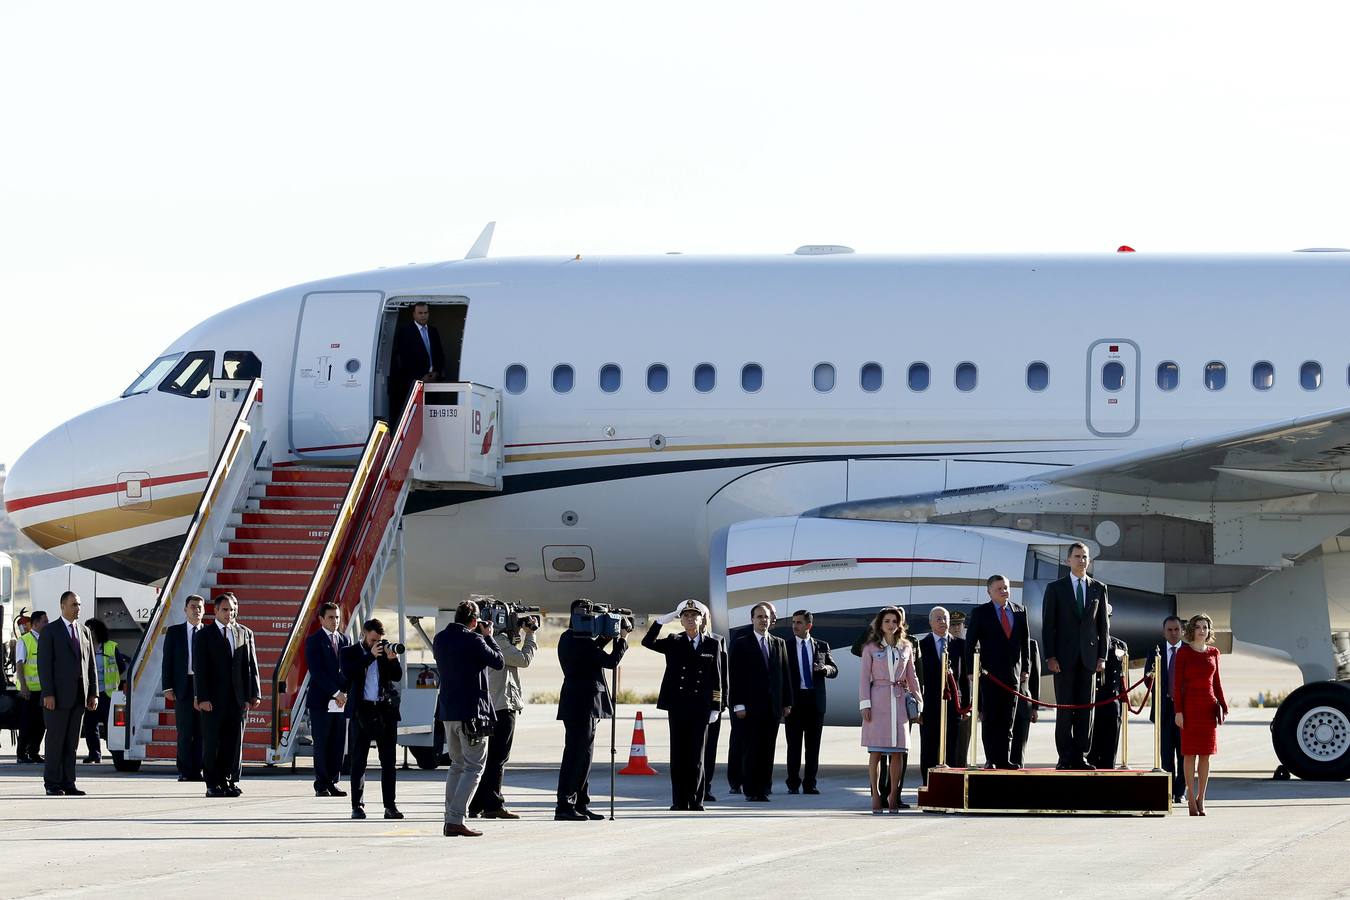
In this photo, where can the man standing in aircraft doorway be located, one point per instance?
(418, 354)
(1074, 633)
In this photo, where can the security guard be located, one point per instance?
(691, 694)
(32, 726)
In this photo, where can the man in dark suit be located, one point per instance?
(176, 680)
(417, 354)
(691, 693)
(225, 662)
(1027, 713)
(372, 673)
(463, 655)
(761, 695)
(1074, 630)
(715, 726)
(998, 630)
(809, 664)
(69, 688)
(1171, 734)
(1106, 718)
(327, 699)
(931, 648)
(584, 700)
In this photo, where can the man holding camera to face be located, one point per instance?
(464, 653)
(504, 685)
(373, 674)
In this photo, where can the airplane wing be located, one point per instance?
(1295, 456)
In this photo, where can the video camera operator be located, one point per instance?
(463, 656)
(585, 698)
(372, 672)
(518, 626)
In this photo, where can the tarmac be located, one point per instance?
(146, 835)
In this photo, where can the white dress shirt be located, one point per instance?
(810, 657)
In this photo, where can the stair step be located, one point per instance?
(272, 617)
(303, 547)
(318, 475)
(300, 504)
(170, 751)
(290, 518)
(306, 489)
(265, 601)
(286, 564)
(282, 532)
(227, 580)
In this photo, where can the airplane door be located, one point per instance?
(331, 382)
(1113, 387)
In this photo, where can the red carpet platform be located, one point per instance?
(1113, 792)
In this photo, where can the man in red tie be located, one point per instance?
(69, 687)
(327, 700)
(998, 629)
(1074, 636)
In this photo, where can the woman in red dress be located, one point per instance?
(1198, 697)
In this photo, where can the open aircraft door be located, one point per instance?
(332, 379)
(1113, 388)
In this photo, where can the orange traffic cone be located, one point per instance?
(637, 757)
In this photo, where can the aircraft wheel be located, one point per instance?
(1311, 732)
(122, 764)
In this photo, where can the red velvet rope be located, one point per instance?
(1125, 695)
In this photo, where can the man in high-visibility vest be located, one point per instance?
(31, 726)
(109, 664)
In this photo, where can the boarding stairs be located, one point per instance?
(285, 539)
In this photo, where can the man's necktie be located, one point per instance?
(335, 643)
(806, 668)
(1082, 601)
(1171, 671)
(74, 639)
(1005, 618)
(426, 341)
(764, 649)
(942, 642)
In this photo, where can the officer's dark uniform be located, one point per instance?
(691, 691)
(1106, 719)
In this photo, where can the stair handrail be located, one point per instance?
(376, 445)
(236, 441)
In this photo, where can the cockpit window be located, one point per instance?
(192, 376)
(240, 365)
(151, 376)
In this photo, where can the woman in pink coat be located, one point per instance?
(886, 674)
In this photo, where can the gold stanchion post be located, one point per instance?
(1125, 713)
(1158, 688)
(974, 712)
(942, 720)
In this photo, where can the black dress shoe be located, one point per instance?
(233, 790)
(55, 792)
(358, 813)
(475, 813)
(989, 765)
(336, 792)
(92, 760)
(757, 798)
(73, 791)
(696, 807)
(593, 816)
(37, 759)
(184, 778)
(391, 812)
(810, 790)
(793, 790)
(709, 798)
(566, 814)
(216, 792)
(678, 807)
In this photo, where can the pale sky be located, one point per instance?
(160, 162)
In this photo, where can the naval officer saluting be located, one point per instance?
(691, 693)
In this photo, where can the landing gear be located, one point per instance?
(122, 764)
(1311, 732)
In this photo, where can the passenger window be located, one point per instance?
(240, 365)
(153, 375)
(1263, 376)
(192, 376)
(1113, 376)
(563, 378)
(1169, 376)
(870, 377)
(705, 377)
(823, 377)
(752, 377)
(918, 376)
(658, 378)
(966, 377)
(1038, 376)
(1216, 375)
(1310, 375)
(516, 378)
(610, 378)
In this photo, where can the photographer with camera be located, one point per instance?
(585, 698)
(518, 624)
(373, 673)
(464, 653)
(691, 693)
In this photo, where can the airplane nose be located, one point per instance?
(38, 490)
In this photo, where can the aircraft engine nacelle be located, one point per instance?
(844, 570)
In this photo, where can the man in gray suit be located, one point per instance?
(69, 687)
(1074, 632)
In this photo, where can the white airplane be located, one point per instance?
(824, 430)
